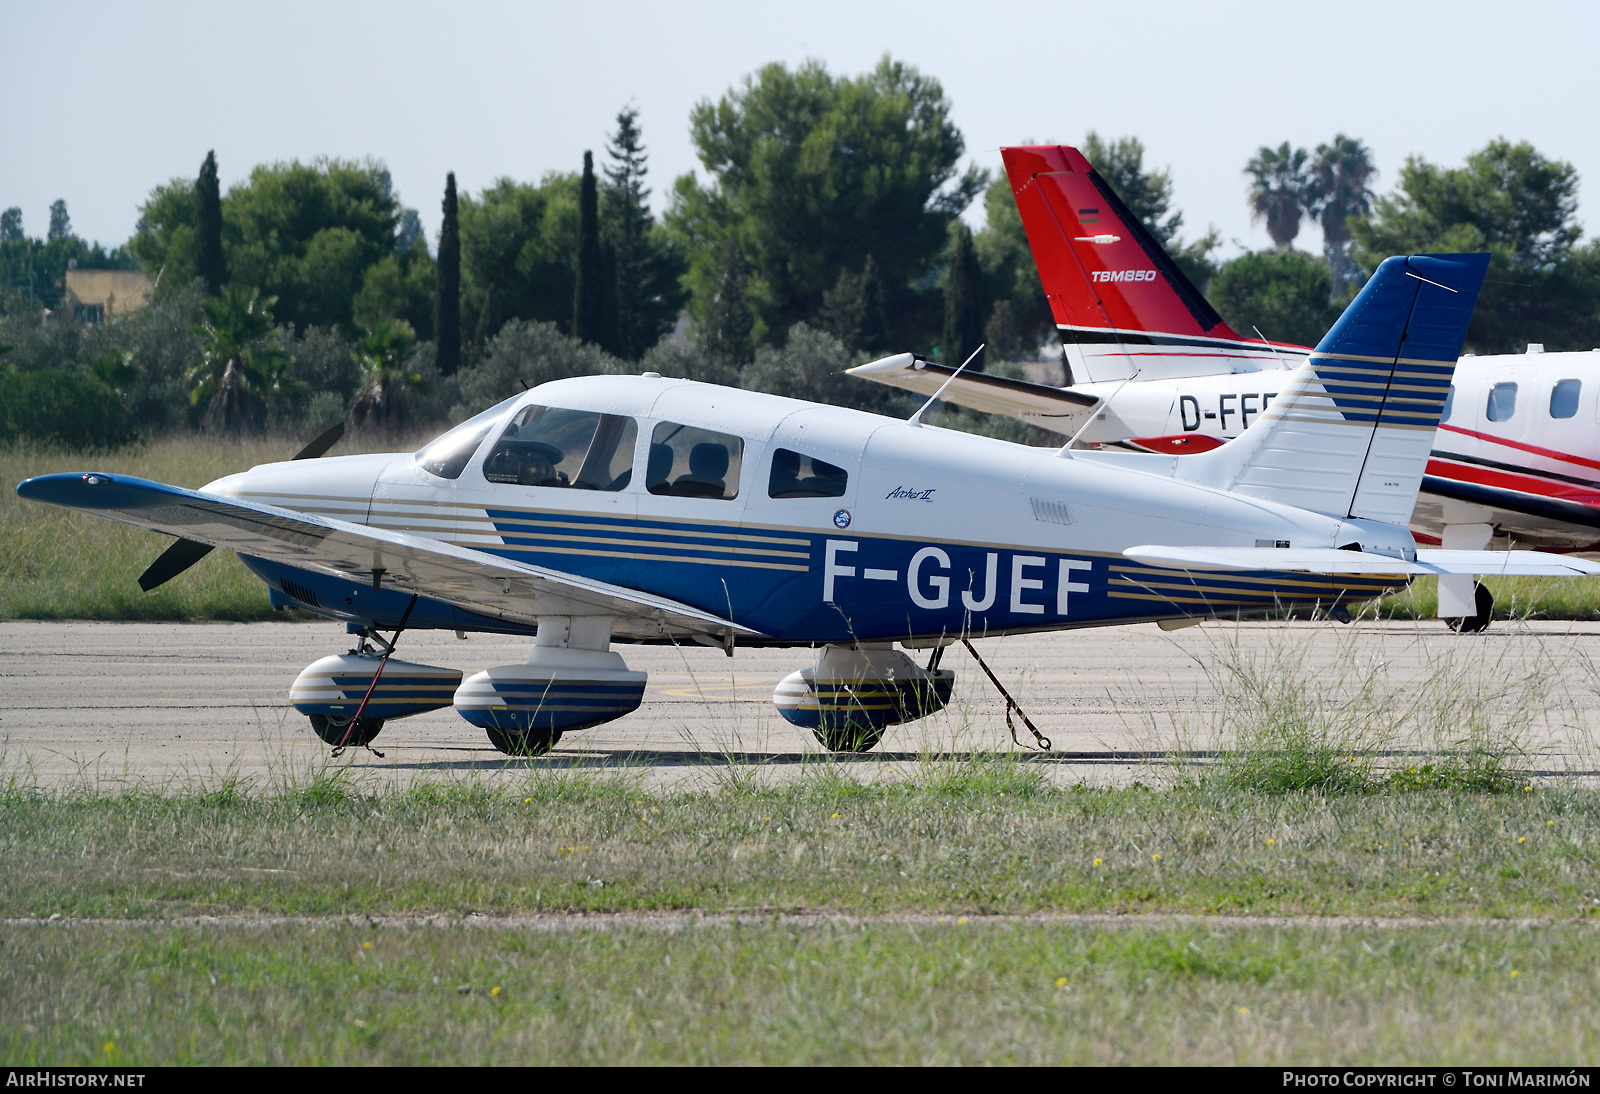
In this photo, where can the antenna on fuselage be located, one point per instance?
(1268, 344)
(1097, 412)
(916, 419)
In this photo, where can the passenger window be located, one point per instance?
(1449, 403)
(1564, 398)
(1502, 402)
(686, 462)
(578, 449)
(797, 476)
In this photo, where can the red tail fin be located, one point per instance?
(1107, 278)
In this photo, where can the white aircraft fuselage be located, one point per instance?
(931, 533)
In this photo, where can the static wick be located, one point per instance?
(1419, 277)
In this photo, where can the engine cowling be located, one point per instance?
(334, 687)
(852, 694)
(560, 690)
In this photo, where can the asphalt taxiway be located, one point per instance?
(165, 705)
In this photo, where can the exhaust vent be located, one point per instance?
(300, 593)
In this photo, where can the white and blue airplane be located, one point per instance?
(610, 509)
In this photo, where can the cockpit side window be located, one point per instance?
(687, 462)
(575, 449)
(795, 475)
(448, 454)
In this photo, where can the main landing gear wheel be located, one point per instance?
(1483, 601)
(337, 731)
(524, 742)
(848, 738)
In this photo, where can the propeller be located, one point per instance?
(186, 552)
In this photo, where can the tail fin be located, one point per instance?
(1350, 430)
(1115, 293)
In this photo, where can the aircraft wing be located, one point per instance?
(476, 580)
(1037, 404)
(1329, 560)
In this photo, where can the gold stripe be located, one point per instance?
(1310, 580)
(1315, 356)
(743, 563)
(1295, 589)
(618, 542)
(664, 531)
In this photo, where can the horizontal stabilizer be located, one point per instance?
(1330, 560)
(1038, 404)
(501, 588)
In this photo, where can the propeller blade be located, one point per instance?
(186, 552)
(325, 440)
(173, 561)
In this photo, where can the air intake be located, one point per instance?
(1051, 512)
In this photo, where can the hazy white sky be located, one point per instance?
(101, 101)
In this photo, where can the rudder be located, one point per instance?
(1349, 433)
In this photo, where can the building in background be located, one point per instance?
(103, 293)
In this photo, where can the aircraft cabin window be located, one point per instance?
(449, 453)
(1502, 402)
(686, 462)
(575, 449)
(1449, 403)
(798, 476)
(1564, 398)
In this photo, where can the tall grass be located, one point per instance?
(1288, 723)
(56, 564)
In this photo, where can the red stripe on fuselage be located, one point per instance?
(1528, 483)
(1547, 453)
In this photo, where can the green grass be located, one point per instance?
(1514, 598)
(780, 993)
(55, 564)
(1001, 841)
(1473, 937)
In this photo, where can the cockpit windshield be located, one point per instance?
(579, 449)
(447, 454)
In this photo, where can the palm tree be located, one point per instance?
(383, 355)
(1279, 191)
(243, 360)
(1341, 179)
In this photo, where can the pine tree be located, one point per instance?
(729, 326)
(60, 223)
(208, 259)
(853, 312)
(588, 306)
(447, 319)
(963, 304)
(629, 221)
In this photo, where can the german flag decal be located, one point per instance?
(1088, 216)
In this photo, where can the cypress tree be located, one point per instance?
(208, 259)
(588, 305)
(447, 320)
(963, 304)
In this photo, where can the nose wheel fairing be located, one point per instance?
(335, 686)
